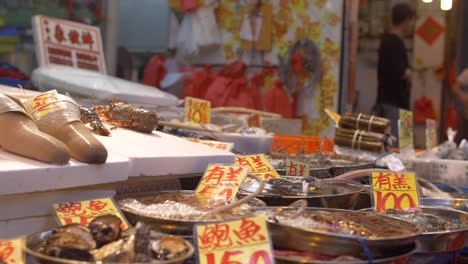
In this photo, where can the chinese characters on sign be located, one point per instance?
(84, 212)
(258, 165)
(214, 144)
(197, 111)
(394, 190)
(405, 132)
(221, 181)
(44, 104)
(68, 43)
(241, 241)
(11, 251)
(297, 168)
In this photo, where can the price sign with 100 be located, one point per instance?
(394, 190)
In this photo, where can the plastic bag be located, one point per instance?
(196, 85)
(155, 71)
(277, 101)
(186, 41)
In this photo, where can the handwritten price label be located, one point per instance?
(241, 241)
(214, 144)
(297, 168)
(258, 165)
(405, 132)
(394, 190)
(11, 251)
(44, 104)
(83, 212)
(222, 181)
(197, 111)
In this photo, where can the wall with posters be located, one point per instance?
(318, 20)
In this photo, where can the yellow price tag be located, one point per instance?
(83, 212)
(259, 166)
(197, 111)
(44, 104)
(297, 168)
(214, 144)
(394, 190)
(11, 251)
(240, 241)
(221, 181)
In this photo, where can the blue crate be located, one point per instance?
(13, 82)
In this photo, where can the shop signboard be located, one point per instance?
(241, 241)
(197, 111)
(258, 165)
(394, 190)
(83, 212)
(11, 251)
(67, 43)
(297, 168)
(221, 181)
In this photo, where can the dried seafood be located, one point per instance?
(88, 116)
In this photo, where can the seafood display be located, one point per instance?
(21, 135)
(430, 221)
(88, 116)
(178, 212)
(120, 114)
(103, 242)
(340, 232)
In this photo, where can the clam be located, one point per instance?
(168, 247)
(105, 229)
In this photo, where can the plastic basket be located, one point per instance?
(301, 144)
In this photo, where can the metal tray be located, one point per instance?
(347, 200)
(319, 173)
(402, 257)
(455, 203)
(335, 244)
(33, 242)
(171, 226)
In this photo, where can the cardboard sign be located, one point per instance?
(258, 165)
(405, 132)
(297, 168)
(44, 104)
(241, 241)
(197, 111)
(214, 144)
(220, 181)
(83, 212)
(66, 43)
(11, 251)
(431, 134)
(394, 190)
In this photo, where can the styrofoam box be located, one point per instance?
(453, 172)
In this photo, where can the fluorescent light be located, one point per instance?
(427, 1)
(445, 4)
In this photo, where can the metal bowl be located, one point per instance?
(331, 198)
(338, 244)
(455, 203)
(319, 173)
(171, 226)
(33, 242)
(399, 258)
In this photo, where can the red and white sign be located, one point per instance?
(66, 43)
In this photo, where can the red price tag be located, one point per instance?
(241, 241)
(258, 165)
(11, 251)
(197, 111)
(394, 190)
(83, 212)
(297, 168)
(221, 181)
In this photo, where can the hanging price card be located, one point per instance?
(11, 251)
(221, 181)
(405, 132)
(83, 212)
(197, 111)
(258, 165)
(394, 190)
(297, 168)
(431, 134)
(241, 241)
(214, 144)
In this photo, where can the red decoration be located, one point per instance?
(430, 30)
